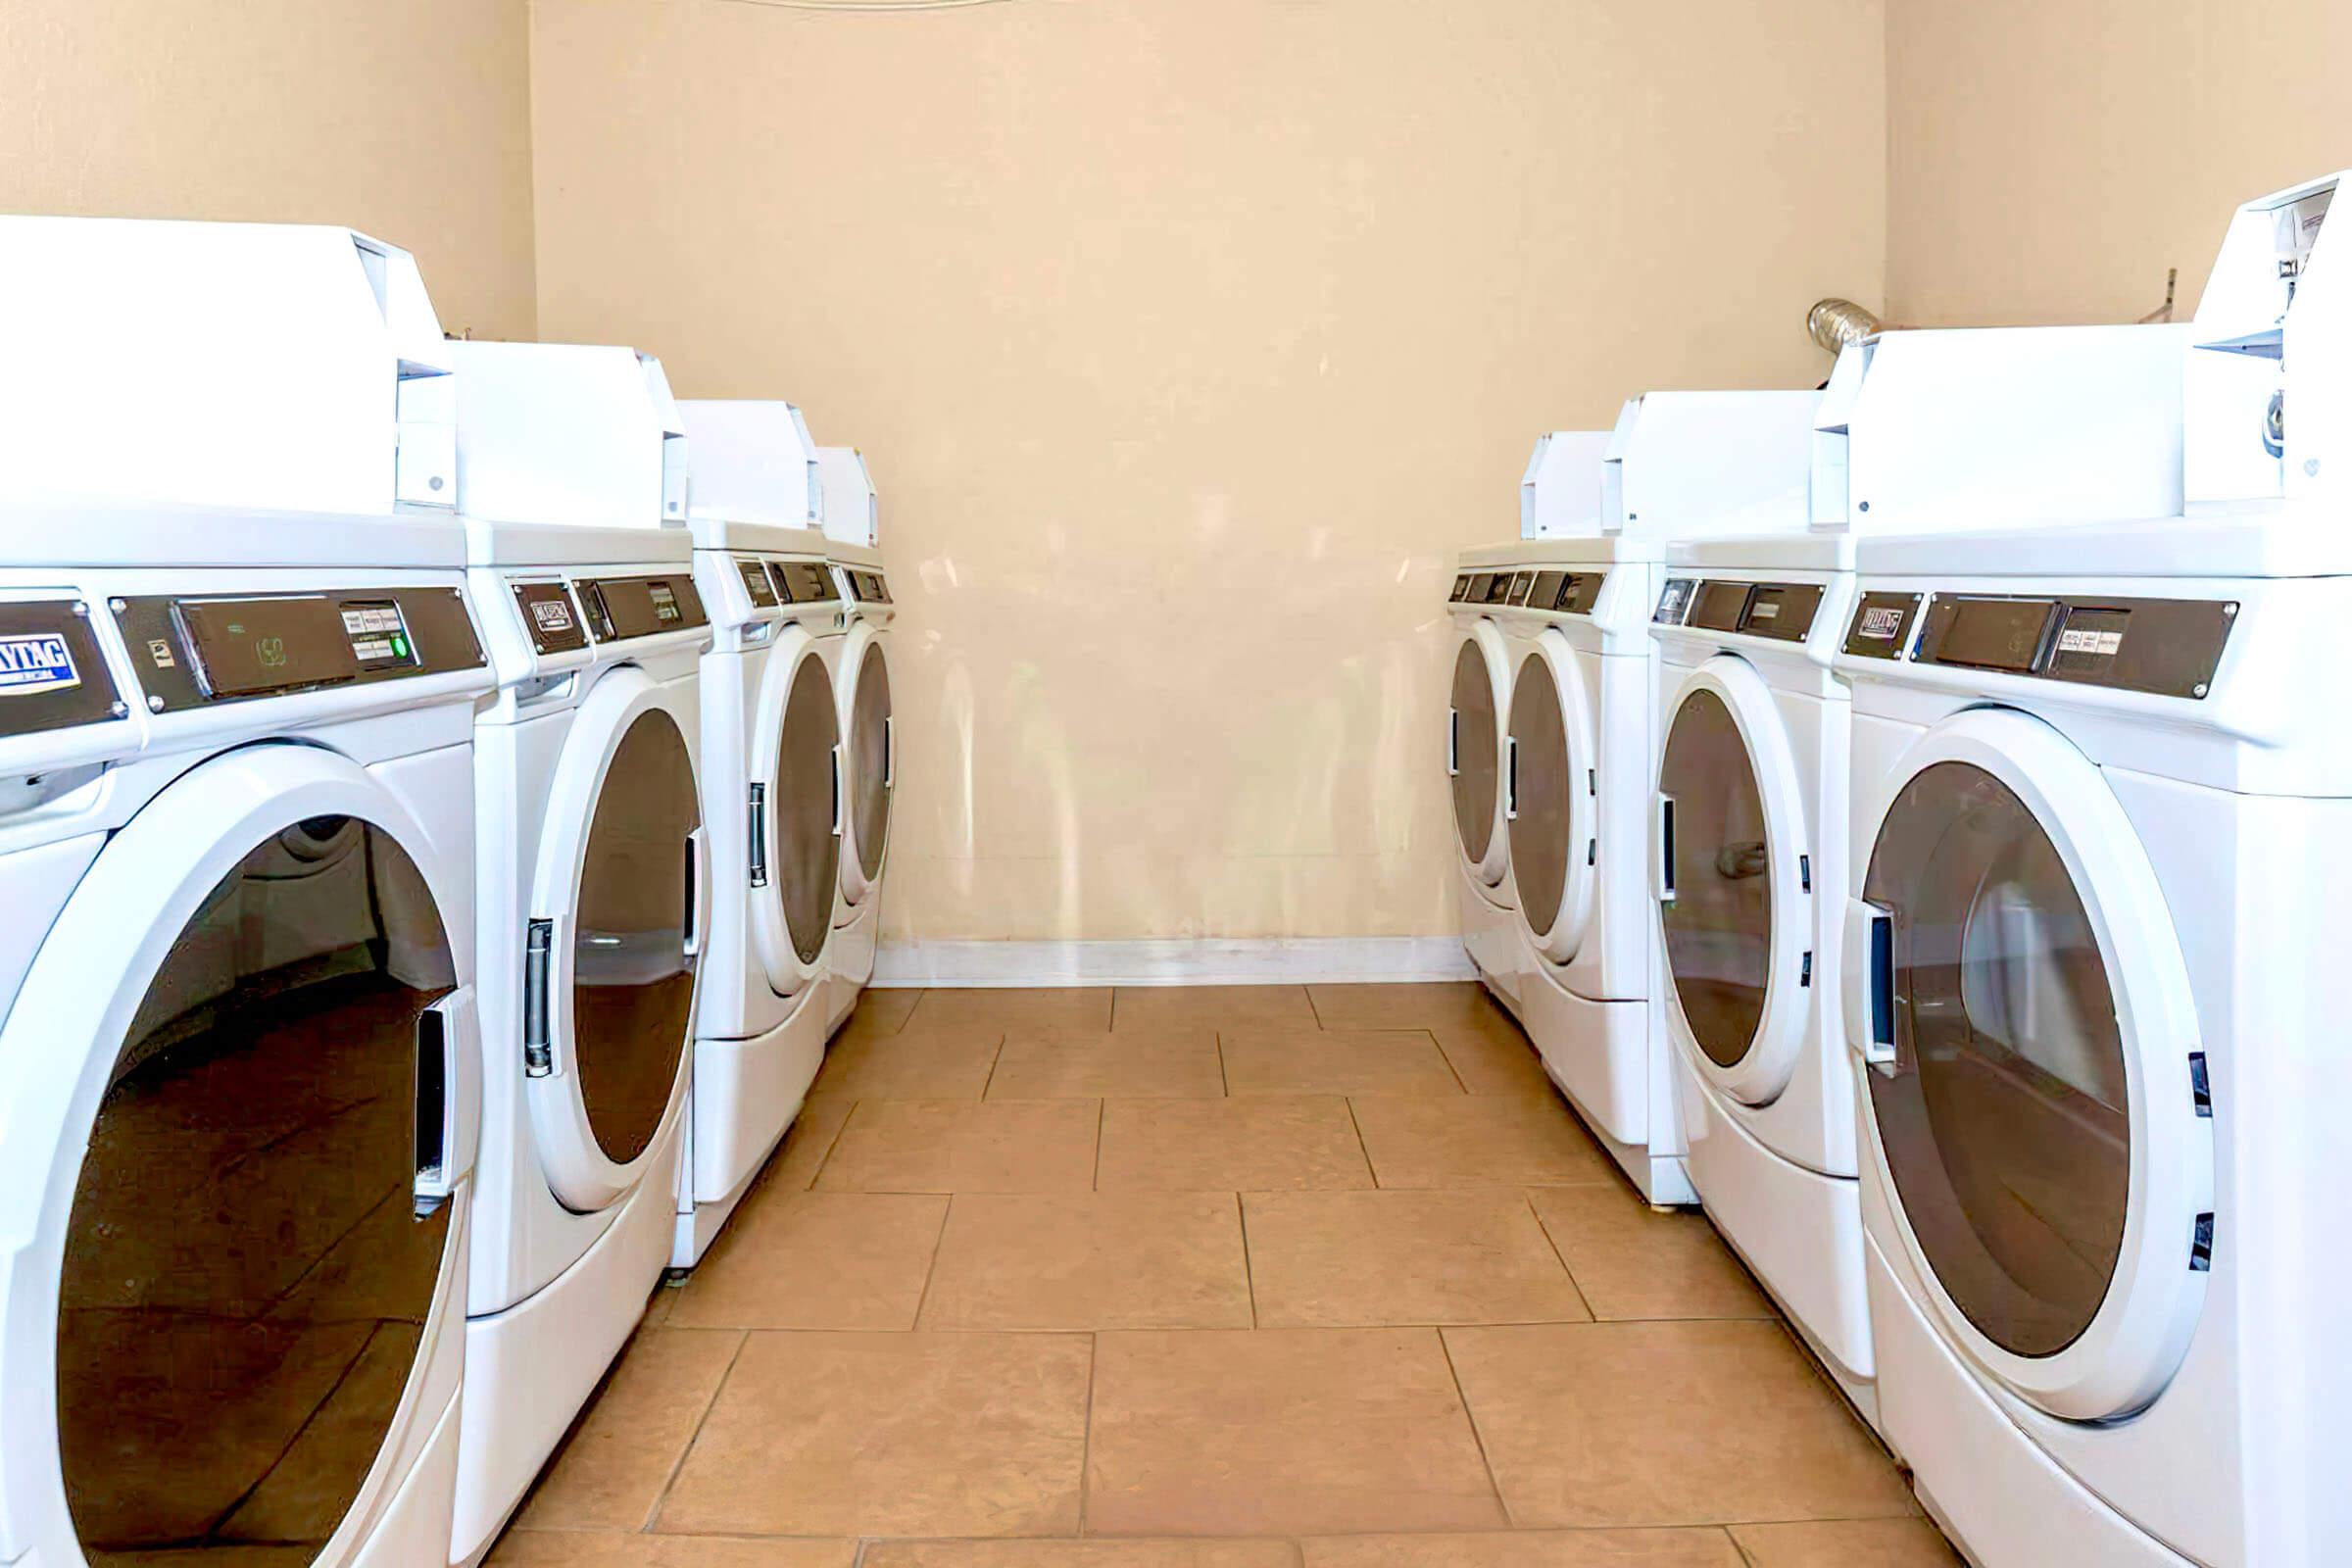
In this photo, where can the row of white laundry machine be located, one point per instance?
(1911, 820)
(445, 789)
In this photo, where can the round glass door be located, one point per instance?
(247, 1276)
(1477, 741)
(807, 808)
(2005, 1114)
(1719, 921)
(632, 971)
(869, 761)
(1547, 800)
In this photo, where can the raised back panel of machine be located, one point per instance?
(198, 650)
(52, 673)
(621, 607)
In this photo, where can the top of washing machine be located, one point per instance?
(569, 434)
(853, 512)
(251, 365)
(754, 462)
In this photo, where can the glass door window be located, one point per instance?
(1719, 923)
(869, 760)
(808, 848)
(1475, 741)
(1541, 832)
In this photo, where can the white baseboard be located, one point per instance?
(1270, 961)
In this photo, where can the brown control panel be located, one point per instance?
(756, 583)
(1882, 625)
(197, 650)
(866, 587)
(1784, 611)
(620, 608)
(802, 582)
(2164, 647)
(52, 674)
(1553, 591)
(551, 618)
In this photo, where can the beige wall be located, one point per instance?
(409, 119)
(2049, 159)
(1188, 340)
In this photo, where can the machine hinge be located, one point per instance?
(1804, 873)
(1804, 970)
(538, 945)
(2200, 1085)
(759, 831)
(2200, 1247)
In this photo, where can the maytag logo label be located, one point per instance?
(37, 662)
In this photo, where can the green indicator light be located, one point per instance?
(400, 647)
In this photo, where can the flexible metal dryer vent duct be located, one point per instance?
(1835, 322)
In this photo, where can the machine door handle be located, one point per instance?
(1510, 778)
(1870, 984)
(1454, 743)
(693, 918)
(1665, 849)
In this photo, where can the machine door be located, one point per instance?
(1474, 749)
(872, 759)
(231, 1266)
(2033, 1072)
(619, 904)
(1733, 868)
(1549, 784)
(796, 763)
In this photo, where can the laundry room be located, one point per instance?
(1173, 784)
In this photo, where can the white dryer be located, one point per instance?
(869, 769)
(594, 884)
(771, 745)
(240, 1129)
(2098, 845)
(1478, 697)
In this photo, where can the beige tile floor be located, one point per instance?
(1223, 1277)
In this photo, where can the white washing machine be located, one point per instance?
(772, 762)
(233, 1280)
(869, 770)
(1572, 628)
(2099, 840)
(593, 889)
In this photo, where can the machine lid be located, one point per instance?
(261, 1092)
(1734, 887)
(2039, 1101)
(612, 940)
(796, 775)
(872, 767)
(1474, 749)
(1549, 782)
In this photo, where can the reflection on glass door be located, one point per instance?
(247, 1278)
(869, 760)
(1719, 922)
(2005, 1115)
(1475, 738)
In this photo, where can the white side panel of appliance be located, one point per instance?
(561, 433)
(1559, 495)
(753, 462)
(853, 514)
(1691, 464)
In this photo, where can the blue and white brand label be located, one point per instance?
(35, 662)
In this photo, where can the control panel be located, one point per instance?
(866, 587)
(621, 607)
(52, 674)
(2164, 647)
(191, 652)
(802, 582)
(757, 582)
(551, 618)
(1784, 611)
(1551, 591)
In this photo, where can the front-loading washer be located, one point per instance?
(869, 769)
(772, 762)
(593, 886)
(240, 1131)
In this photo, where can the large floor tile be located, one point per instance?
(1667, 1423)
(891, 1435)
(946, 1146)
(1499, 1060)
(1147, 1064)
(1263, 1143)
(934, 1064)
(1090, 1260)
(1632, 1261)
(1336, 1062)
(1440, 1005)
(1337, 1260)
(1530, 1548)
(816, 1260)
(1007, 1010)
(611, 1550)
(806, 1143)
(1847, 1544)
(878, 1012)
(1281, 1431)
(1477, 1141)
(1211, 1008)
(1081, 1554)
(611, 1470)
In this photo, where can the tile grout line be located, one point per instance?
(1224, 1077)
(686, 1451)
(1553, 1243)
(1361, 1146)
(1249, 1265)
(931, 1270)
(1445, 1349)
(1447, 1056)
(1086, 1441)
(1102, 1118)
(831, 1144)
(995, 1058)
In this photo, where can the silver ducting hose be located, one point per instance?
(1835, 322)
